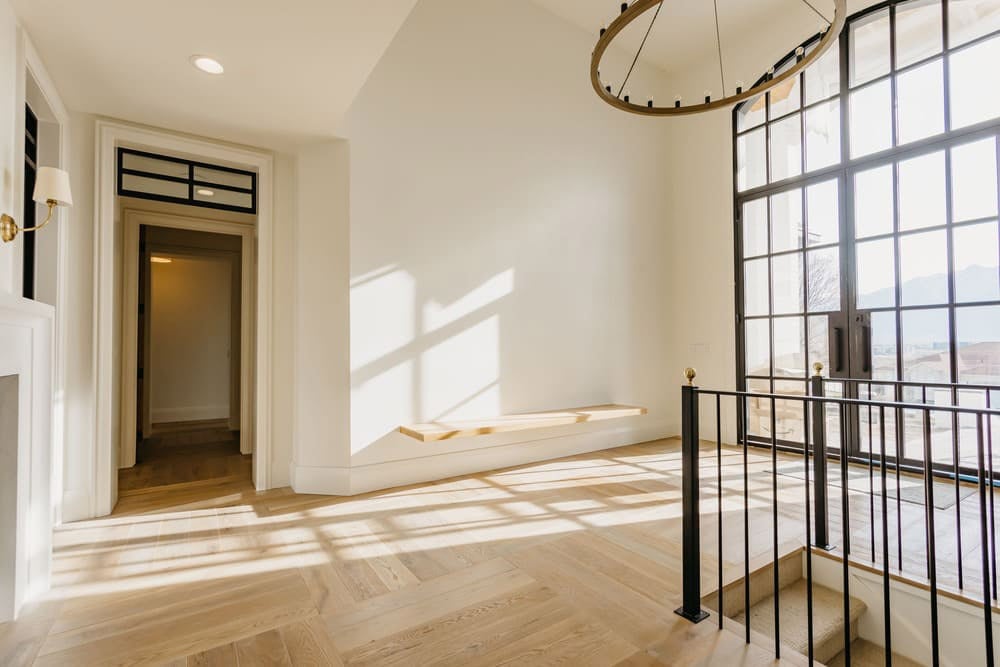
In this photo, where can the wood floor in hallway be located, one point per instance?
(574, 561)
(186, 453)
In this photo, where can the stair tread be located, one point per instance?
(828, 615)
(866, 654)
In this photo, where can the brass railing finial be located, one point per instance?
(690, 374)
(818, 367)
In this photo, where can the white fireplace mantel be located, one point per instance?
(26, 475)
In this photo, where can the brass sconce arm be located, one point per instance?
(51, 187)
(9, 228)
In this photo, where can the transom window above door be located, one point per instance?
(170, 179)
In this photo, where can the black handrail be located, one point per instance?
(852, 401)
(816, 499)
(917, 383)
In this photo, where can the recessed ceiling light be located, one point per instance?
(205, 192)
(207, 65)
(160, 260)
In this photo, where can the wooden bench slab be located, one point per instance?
(448, 430)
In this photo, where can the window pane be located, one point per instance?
(824, 279)
(823, 135)
(788, 415)
(755, 228)
(786, 281)
(979, 345)
(975, 97)
(784, 98)
(873, 202)
(751, 114)
(968, 19)
(219, 177)
(925, 346)
(974, 180)
(871, 114)
(977, 262)
(823, 211)
(755, 288)
(918, 31)
(876, 274)
(786, 221)
(223, 197)
(789, 346)
(786, 148)
(152, 165)
(823, 76)
(923, 268)
(751, 160)
(819, 342)
(758, 347)
(920, 102)
(759, 409)
(922, 200)
(869, 38)
(154, 186)
(883, 341)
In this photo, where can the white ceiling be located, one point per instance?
(293, 67)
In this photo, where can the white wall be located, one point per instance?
(283, 309)
(190, 337)
(79, 458)
(702, 283)
(321, 333)
(508, 252)
(11, 137)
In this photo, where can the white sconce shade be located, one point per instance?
(52, 184)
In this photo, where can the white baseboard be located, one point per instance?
(322, 481)
(192, 413)
(76, 506)
(349, 481)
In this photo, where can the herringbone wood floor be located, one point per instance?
(575, 561)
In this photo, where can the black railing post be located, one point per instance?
(691, 610)
(820, 476)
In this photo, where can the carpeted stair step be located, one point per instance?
(866, 654)
(828, 619)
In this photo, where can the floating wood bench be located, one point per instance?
(449, 430)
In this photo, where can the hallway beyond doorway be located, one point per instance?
(186, 454)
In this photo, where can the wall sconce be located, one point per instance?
(52, 188)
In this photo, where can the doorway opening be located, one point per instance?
(186, 410)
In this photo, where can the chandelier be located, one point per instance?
(616, 93)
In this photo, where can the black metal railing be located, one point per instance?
(816, 501)
(957, 472)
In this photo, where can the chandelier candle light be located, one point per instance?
(631, 13)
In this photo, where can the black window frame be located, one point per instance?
(190, 181)
(30, 213)
(843, 172)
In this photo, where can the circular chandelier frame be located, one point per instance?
(633, 12)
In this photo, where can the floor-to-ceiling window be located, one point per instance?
(867, 234)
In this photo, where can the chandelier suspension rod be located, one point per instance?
(718, 43)
(631, 12)
(639, 52)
